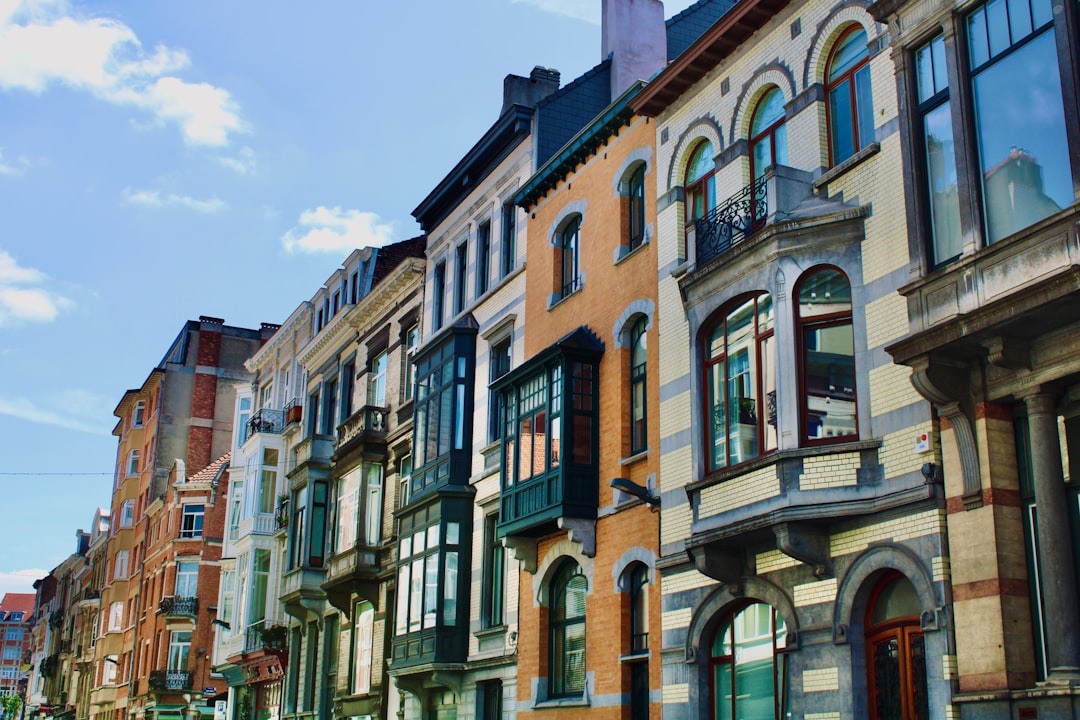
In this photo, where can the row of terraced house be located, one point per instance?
(735, 378)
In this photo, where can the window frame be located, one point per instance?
(461, 275)
(559, 683)
(780, 695)
(377, 378)
(493, 601)
(766, 133)
(191, 522)
(483, 256)
(498, 351)
(508, 239)
(858, 143)
(635, 195)
(638, 383)
(438, 295)
(138, 414)
(703, 185)
(802, 325)
(708, 361)
(568, 245)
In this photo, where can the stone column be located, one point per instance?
(1055, 546)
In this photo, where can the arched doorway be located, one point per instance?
(895, 652)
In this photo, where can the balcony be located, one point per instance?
(163, 681)
(294, 412)
(312, 451)
(179, 606)
(365, 427)
(302, 593)
(354, 570)
(263, 636)
(732, 221)
(267, 421)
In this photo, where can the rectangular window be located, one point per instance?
(444, 391)
(268, 477)
(108, 669)
(296, 528)
(121, 566)
(133, 462)
(404, 479)
(14, 634)
(179, 650)
(267, 396)
(377, 380)
(490, 700)
(137, 416)
(11, 653)
(228, 595)
(508, 251)
(311, 678)
(373, 505)
(313, 414)
(935, 120)
(236, 496)
(348, 504)
(363, 637)
(116, 616)
(329, 411)
(348, 383)
(127, 514)
(191, 524)
(317, 553)
(428, 596)
(260, 582)
(483, 257)
(354, 285)
(494, 588)
(187, 579)
(412, 340)
(461, 268)
(243, 413)
(570, 256)
(438, 295)
(336, 304)
(498, 365)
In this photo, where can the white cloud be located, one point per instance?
(154, 198)
(243, 163)
(23, 295)
(45, 42)
(71, 409)
(334, 230)
(19, 581)
(18, 168)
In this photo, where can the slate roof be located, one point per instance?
(690, 24)
(390, 256)
(562, 114)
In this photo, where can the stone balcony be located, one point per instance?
(354, 570)
(302, 594)
(169, 681)
(367, 428)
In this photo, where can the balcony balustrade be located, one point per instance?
(267, 421)
(294, 411)
(179, 606)
(265, 636)
(366, 425)
(169, 681)
(732, 221)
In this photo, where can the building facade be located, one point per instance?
(16, 611)
(804, 560)
(992, 217)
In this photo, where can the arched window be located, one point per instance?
(638, 418)
(638, 577)
(636, 225)
(567, 631)
(827, 357)
(700, 186)
(740, 380)
(748, 665)
(850, 106)
(768, 133)
(570, 256)
(896, 656)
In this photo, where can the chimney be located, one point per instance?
(634, 35)
(529, 91)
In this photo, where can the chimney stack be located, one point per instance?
(529, 91)
(634, 35)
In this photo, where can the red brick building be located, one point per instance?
(16, 611)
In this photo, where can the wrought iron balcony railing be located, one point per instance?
(263, 635)
(294, 411)
(266, 421)
(188, 606)
(732, 221)
(169, 681)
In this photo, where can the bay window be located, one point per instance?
(740, 380)
(827, 349)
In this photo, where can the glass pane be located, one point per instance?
(841, 125)
(742, 400)
(1019, 19)
(575, 658)
(888, 695)
(851, 50)
(924, 64)
(1022, 143)
(722, 691)
(768, 384)
(718, 424)
(918, 677)
(769, 110)
(431, 590)
(980, 50)
(701, 163)
(941, 175)
(826, 292)
(402, 620)
(526, 452)
(864, 107)
(997, 25)
(556, 441)
(450, 589)
(780, 143)
(896, 600)
(830, 381)
(1041, 12)
(582, 440)
(762, 155)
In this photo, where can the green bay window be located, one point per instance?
(550, 436)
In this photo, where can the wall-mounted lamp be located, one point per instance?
(630, 487)
(929, 471)
(221, 623)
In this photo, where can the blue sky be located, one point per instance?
(169, 159)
